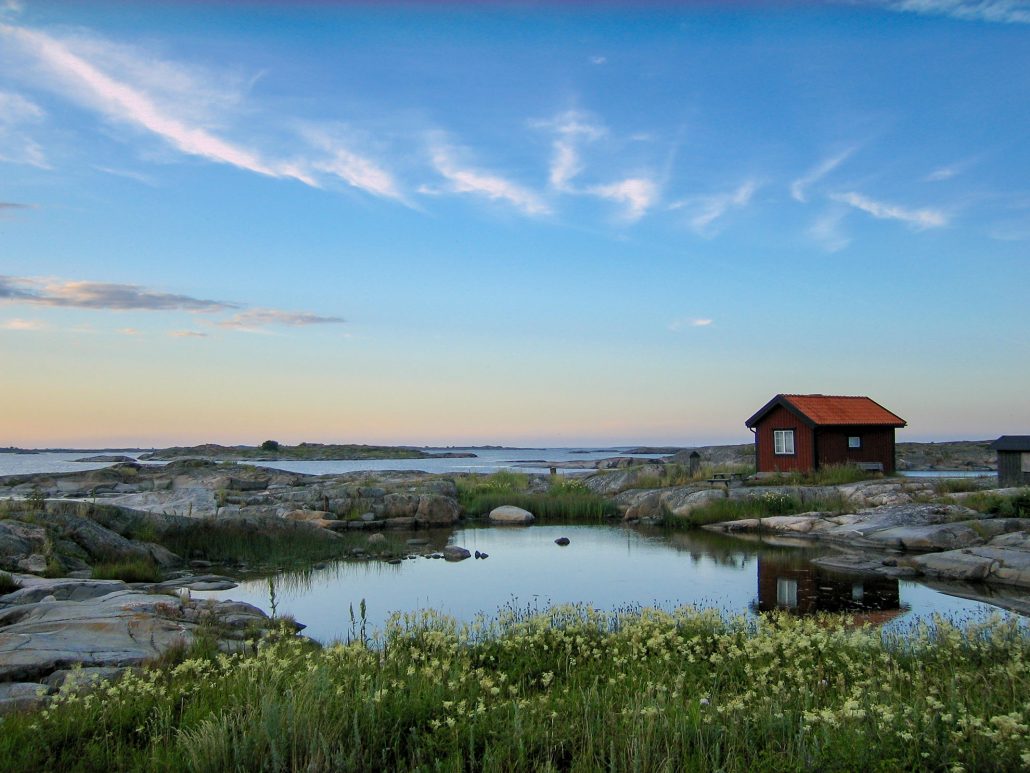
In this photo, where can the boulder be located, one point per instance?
(21, 696)
(82, 679)
(681, 501)
(18, 541)
(437, 510)
(455, 553)
(400, 505)
(509, 514)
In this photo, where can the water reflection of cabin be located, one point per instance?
(795, 585)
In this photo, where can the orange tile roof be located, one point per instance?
(837, 409)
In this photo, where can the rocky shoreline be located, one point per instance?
(70, 523)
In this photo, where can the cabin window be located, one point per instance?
(854, 441)
(1024, 462)
(783, 442)
(786, 593)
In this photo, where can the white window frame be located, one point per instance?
(781, 446)
(854, 441)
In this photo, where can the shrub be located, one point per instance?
(270, 445)
(35, 502)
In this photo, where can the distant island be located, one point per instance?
(271, 451)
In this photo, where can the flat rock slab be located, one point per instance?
(63, 589)
(942, 536)
(120, 629)
(200, 582)
(509, 514)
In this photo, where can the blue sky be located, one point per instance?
(536, 224)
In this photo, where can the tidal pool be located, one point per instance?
(607, 567)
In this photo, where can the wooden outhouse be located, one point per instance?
(801, 433)
(1013, 460)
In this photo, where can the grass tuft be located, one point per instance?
(8, 584)
(759, 506)
(127, 570)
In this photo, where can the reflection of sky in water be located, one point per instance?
(608, 567)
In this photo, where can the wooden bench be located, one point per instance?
(726, 478)
(870, 466)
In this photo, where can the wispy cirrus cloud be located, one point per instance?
(826, 231)
(344, 163)
(920, 219)
(79, 78)
(16, 145)
(707, 210)
(465, 179)
(254, 319)
(636, 195)
(1001, 11)
(187, 334)
(799, 187)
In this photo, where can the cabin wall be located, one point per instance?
(877, 445)
(803, 459)
(1010, 469)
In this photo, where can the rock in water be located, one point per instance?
(455, 553)
(511, 514)
(563, 541)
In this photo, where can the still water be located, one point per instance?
(608, 567)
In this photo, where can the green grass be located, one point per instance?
(128, 570)
(7, 584)
(679, 475)
(1001, 505)
(572, 507)
(565, 499)
(829, 475)
(569, 689)
(758, 506)
(946, 486)
(271, 543)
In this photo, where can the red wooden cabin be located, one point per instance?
(801, 433)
